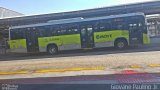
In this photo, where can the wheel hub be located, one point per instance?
(121, 45)
(52, 50)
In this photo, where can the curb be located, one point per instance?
(53, 70)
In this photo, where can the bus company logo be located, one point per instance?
(104, 36)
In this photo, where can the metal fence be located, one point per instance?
(2, 50)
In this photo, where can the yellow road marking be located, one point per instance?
(10, 73)
(53, 70)
(135, 66)
(154, 65)
(69, 69)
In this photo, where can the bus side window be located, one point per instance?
(108, 26)
(42, 32)
(83, 31)
(117, 26)
(102, 27)
(75, 31)
(36, 31)
(96, 26)
(72, 30)
(57, 30)
(140, 26)
(48, 31)
(130, 27)
(69, 31)
(53, 32)
(133, 27)
(17, 34)
(120, 27)
(13, 34)
(89, 30)
(63, 32)
(21, 34)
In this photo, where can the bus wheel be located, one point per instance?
(52, 50)
(121, 44)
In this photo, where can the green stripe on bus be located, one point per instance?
(20, 43)
(59, 40)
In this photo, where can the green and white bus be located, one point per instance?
(117, 31)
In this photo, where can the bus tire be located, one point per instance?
(52, 49)
(121, 44)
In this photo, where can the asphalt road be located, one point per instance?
(98, 82)
(100, 51)
(142, 59)
(90, 79)
(134, 65)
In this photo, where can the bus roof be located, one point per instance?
(74, 20)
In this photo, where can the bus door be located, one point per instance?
(87, 37)
(135, 34)
(32, 40)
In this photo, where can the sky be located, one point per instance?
(35, 7)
